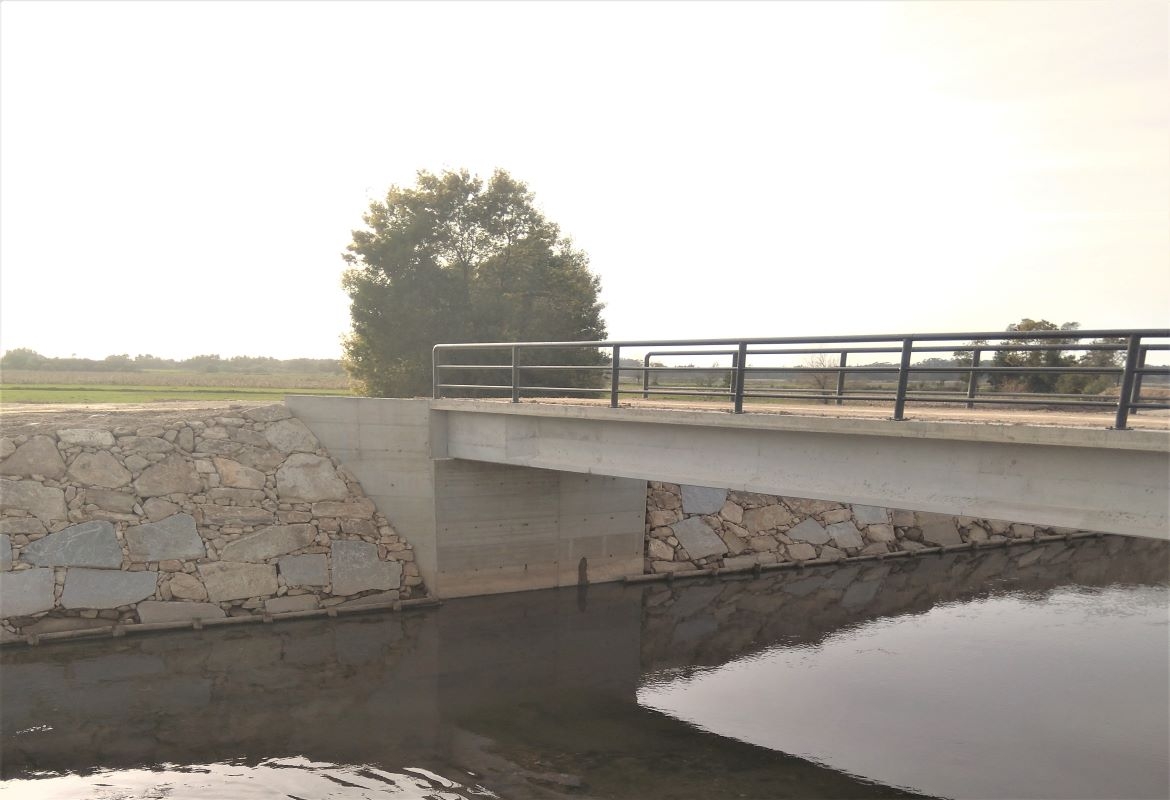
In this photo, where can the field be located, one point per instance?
(145, 386)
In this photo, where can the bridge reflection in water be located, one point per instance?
(528, 695)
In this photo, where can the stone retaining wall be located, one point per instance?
(203, 518)
(694, 527)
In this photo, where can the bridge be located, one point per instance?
(533, 491)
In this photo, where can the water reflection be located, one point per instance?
(535, 694)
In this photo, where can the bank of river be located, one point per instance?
(995, 673)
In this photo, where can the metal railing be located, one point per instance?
(1123, 357)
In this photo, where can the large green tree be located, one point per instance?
(455, 259)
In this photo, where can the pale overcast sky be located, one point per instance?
(182, 178)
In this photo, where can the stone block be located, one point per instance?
(18, 526)
(379, 598)
(801, 551)
(158, 611)
(173, 537)
(308, 478)
(157, 509)
(43, 502)
(86, 437)
(831, 553)
(272, 413)
(264, 544)
(99, 469)
(361, 508)
(282, 605)
(870, 515)
(740, 562)
(88, 544)
(766, 518)
(233, 474)
(939, 529)
(145, 444)
(232, 581)
(844, 534)
(240, 516)
(106, 588)
(306, 570)
(173, 475)
(241, 497)
(5, 552)
(356, 568)
(659, 550)
(881, 533)
(108, 500)
(291, 436)
(698, 539)
(186, 587)
(732, 512)
(702, 499)
(37, 456)
(27, 592)
(809, 531)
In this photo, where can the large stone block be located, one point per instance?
(186, 587)
(158, 611)
(272, 413)
(939, 529)
(27, 592)
(702, 500)
(263, 545)
(870, 515)
(231, 581)
(174, 537)
(43, 502)
(698, 538)
(5, 552)
(37, 456)
(99, 469)
(89, 544)
(766, 518)
(145, 444)
(241, 516)
(21, 525)
(306, 570)
(356, 568)
(844, 534)
(809, 531)
(283, 605)
(360, 508)
(291, 436)
(308, 478)
(235, 475)
(86, 437)
(173, 475)
(108, 500)
(106, 588)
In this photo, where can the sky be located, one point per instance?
(183, 178)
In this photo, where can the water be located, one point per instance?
(1029, 672)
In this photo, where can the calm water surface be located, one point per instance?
(1028, 672)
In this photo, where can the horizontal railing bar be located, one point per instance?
(473, 366)
(473, 386)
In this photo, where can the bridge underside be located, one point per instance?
(497, 496)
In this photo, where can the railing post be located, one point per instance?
(841, 377)
(646, 377)
(435, 373)
(1137, 379)
(903, 379)
(731, 383)
(1132, 353)
(616, 371)
(740, 363)
(515, 374)
(973, 378)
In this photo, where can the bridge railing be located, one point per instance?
(1023, 368)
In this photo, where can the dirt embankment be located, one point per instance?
(18, 418)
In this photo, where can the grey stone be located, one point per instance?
(241, 497)
(881, 533)
(844, 534)
(235, 475)
(186, 439)
(291, 436)
(380, 598)
(158, 611)
(37, 456)
(245, 436)
(43, 502)
(108, 500)
(361, 508)
(21, 525)
(660, 550)
(173, 537)
(309, 478)
(145, 444)
(356, 568)
(27, 592)
(939, 529)
(809, 531)
(830, 553)
(86, 437)
(186, 587)
(99, 469)
(307, 570)
(242, 516)
(801, 551)
(702, 500)
(264, 459)
(283, 605)
(766, 518)
(7, 447)
(271, 413)
(870, 515)
(264, 544)
(698, 539)
(230, 581)
(5, 552)
(157, 509)
(88, 544)
(106, 588)
(173, 475)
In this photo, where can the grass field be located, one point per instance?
(47, 386)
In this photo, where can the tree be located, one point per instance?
(22, 358)
(1034, 382)
(454, 260)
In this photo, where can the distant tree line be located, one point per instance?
(24, 358)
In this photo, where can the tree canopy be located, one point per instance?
(455, 259)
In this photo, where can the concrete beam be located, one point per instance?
(1111, 481)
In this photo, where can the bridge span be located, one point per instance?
(500, 496)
